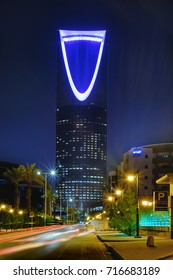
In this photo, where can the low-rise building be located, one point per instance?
(148, 163)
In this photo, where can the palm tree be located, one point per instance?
(31, 178)
(15, 176)
(51, 200)
(71, 212)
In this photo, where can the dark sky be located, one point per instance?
(140, 100)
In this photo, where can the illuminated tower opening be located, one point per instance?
(82, 52)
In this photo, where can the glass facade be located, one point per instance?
(81, 151)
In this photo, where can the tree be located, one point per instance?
(15, 177)
(72, 212)
(51, 200)
(122, 212)
(31, 178)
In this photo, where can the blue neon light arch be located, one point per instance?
(82, 53)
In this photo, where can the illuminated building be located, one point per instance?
(152, 162)
(81, 131)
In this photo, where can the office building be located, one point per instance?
(151, 162)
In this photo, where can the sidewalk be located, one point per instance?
(129, 248)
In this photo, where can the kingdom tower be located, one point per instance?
(81, 128)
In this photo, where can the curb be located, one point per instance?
(166, 257)
(112, 251)
(114, 254)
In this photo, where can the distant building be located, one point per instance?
(112, 177)
(150, 162)
(81, 131)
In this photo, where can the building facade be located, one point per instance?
(149, 163)
(112, 179)
(81, 127)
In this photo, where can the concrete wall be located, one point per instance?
(157, 231)
(100, 224)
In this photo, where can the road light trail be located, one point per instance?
(17, 234)
(40, 239)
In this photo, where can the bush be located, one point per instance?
(122, 213)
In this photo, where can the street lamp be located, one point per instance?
(130, 179)
(118, 192)
(3, 206)
(110, 198)
(53, 173)
(146, 203)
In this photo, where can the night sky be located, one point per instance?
(140, 99)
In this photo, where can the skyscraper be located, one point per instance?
(81, 131)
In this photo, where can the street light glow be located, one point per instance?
(50, 172)
(130, 178)
(146, 203)
(118, 192)
(53, 172)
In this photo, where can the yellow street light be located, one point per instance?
(118, 192)
(146, 203)
(3, 206)
(131, 178)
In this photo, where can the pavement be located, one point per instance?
(124, 247)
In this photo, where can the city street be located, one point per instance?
(62, 242)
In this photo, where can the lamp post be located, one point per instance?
(60, 210)
(70, 200)
(67, 211)
(51, 172)
(132, 178)
(45, 198)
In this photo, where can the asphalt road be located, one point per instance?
(72, 242)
